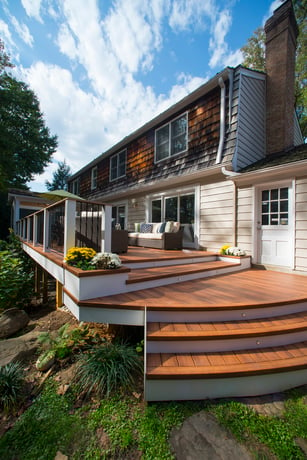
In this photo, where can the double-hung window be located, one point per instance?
(172, 138)
(94, 175)
(118, 165)
(75, 186)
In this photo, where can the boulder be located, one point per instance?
(12, 321)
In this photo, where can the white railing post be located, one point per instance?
(35, 224)
(46, 230)
(106, 228)
(69, 225)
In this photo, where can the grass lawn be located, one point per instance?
(123, 427)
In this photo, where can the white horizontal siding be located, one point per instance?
(244, 218)
(216, 215)
(250, 146)
(301, 224)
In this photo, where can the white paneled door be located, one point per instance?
(274, 226)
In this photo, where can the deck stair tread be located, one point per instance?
(227, 329)
(227, 363)
(153, 273)
(244, 289)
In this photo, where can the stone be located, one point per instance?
(201, 436)
(18, 348)
(12, 321)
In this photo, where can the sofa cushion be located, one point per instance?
(146, 228)
(162, 227)
(150, 236)
(137, 226)
(169, 226)
(176, 227)
(155, 227)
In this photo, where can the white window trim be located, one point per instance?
(186, 114)
(117, 155)
(94, 177)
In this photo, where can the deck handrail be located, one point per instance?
(66, 223)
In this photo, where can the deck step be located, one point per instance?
(188, 376)
(179, 271)
(226, 335)
(227, 364)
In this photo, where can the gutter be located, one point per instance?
(222, 122)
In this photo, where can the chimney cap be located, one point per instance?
(285, 10)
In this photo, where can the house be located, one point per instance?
(229, 164)
(227, 161)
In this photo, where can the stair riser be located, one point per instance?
(204, 388)
(180, 279)
(163, 263)
(219, 314)
(207, 346)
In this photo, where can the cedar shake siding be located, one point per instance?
(141, 168)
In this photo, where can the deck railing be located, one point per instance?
(68, 223)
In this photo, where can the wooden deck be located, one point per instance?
(250, 288)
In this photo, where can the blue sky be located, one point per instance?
(102, 68)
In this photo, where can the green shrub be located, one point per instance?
(107, 368)
(66, 341)
(11, 386)
(16, 275)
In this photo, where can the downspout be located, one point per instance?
(222, 121)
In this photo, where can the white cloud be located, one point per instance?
(5, 33)
(185, 14)
(66, 42)
(32, 8)
(217, 44)
(22, 31)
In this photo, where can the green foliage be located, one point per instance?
(107, 368)
(11, 386)
(46, 427)
(254, 51)
(16, 275)
(246, 424)
(26, 145)
(60, 177)
(66, 341)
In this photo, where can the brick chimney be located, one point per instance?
(281, 33)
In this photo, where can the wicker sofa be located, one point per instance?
(162, 235)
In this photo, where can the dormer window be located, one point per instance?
(94, 175)
(118, 165)
(172, 138)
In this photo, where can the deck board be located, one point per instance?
(236, 290)
(244, 362)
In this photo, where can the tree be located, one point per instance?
(26, 145)
(60, 177)
(254, 58)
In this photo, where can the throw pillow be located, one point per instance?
(146, 228)
(137, 227)
(176, 227)
(162, 227)
(169, 226)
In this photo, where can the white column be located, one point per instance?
(46, 230)
(106, 228)
(69, 225)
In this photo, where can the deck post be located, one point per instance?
(59, 295)
(45, 286)
(69, 225)
(46, 230)
(35, 224)
(106, 228)
(37, 278)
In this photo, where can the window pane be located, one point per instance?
(187, 209)
(274, 194)
(171, 208)
(113, 167)
(265, 207)
(265, 195)
(274, 206)
(162, 143)
(265, 219)
(156, 206)
(122, 164)
(178, 135)
(274, 219)
(284, 193)
(284, 206)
